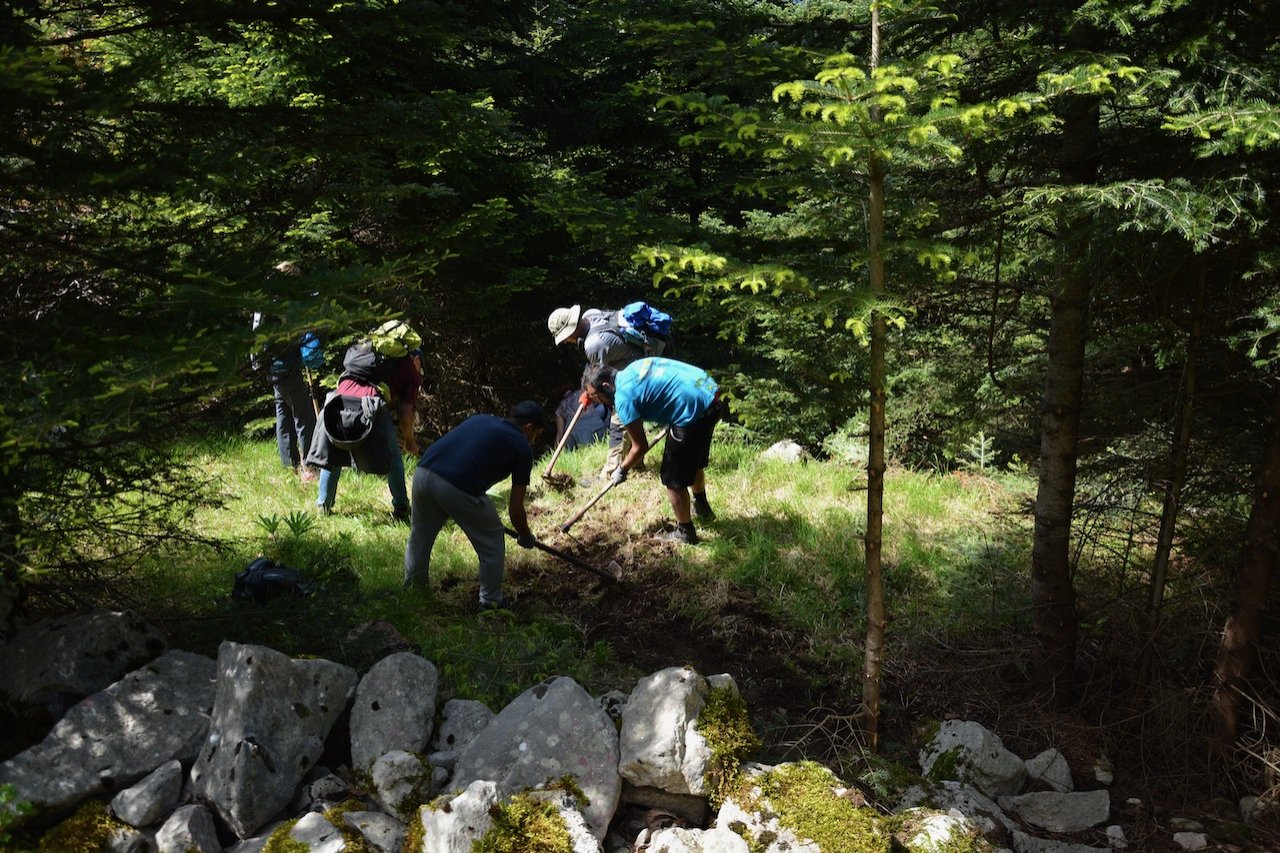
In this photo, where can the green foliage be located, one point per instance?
(525, 824)
(89, 830)
(11, 810)
(725, 724)
(802, 796)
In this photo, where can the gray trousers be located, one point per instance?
(619, 444)
(436, 500)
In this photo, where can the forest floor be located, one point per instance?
(806, 712)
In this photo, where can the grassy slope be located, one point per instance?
(788, 534)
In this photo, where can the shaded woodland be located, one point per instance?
(1038, 235)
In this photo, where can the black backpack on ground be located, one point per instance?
(263, 580)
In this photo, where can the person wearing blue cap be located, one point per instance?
(451, 481)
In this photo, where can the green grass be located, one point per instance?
(788, 538)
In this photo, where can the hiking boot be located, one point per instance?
(504, 603)
(685, 534)
(702, 509)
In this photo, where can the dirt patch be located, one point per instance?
(649, 627)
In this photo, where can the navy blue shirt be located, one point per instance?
(481, 451)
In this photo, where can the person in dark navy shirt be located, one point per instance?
(451, 481)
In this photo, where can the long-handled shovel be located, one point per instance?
(564, 528)
(613, 572)
(546, 475)
(311, 390)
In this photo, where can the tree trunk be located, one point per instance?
(874, 660)
(1052, 593)
(1177, 462)
(1237, 656)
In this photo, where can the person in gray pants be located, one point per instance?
(451, 481)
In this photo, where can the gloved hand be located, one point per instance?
(619, 474)
(526, 540)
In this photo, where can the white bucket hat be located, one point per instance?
(563, 322)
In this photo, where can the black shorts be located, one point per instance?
(688, 449)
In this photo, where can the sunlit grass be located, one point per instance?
(788, 539)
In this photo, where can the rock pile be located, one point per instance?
(259, 750)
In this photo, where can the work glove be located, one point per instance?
(619, 474)
(526, 540)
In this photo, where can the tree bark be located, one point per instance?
(1052, 593)
(1178, 461)
(1238, 653)
(874, 653)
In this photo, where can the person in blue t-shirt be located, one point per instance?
(451, 481)
(676, 395)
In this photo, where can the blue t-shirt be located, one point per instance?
(663, 391)
(481, 451)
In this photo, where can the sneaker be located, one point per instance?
(702, 509)
(685, 534)
(324, 509)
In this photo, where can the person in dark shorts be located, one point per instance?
(681, 397)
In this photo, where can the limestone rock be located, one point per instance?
(318, 834)
(381, 832)
(393, 708)
(1050, 768)
(190, 829)
(965, 751)
(1024, 843)
(402, 781)
(460, 721)
(552, 730)
(271, 715)
(676, 839)
(1059, 812)
(452, 825)
(76, 655)
(659, 744)
(155, 714)
(153, 798)
(786, 451)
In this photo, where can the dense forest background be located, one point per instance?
(1053, 224)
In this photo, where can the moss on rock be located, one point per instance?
(525, 824)
(803, 799)
(89, 830)
(726, 726)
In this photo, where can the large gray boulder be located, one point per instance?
(271, 715)
(660, 745)
(113, 738)
(552, 730)
(74, 656)
(393, 709)
(965, 751)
